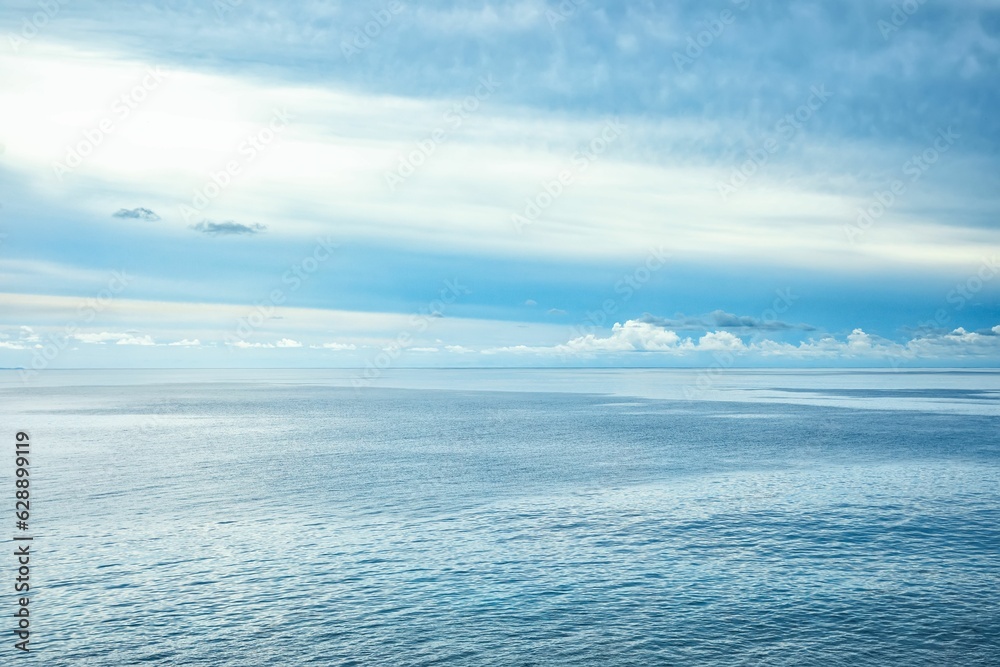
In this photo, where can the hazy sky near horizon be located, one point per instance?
(529, 182)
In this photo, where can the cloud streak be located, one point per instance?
(201, 137)
(228, 228)
(144, 214)
(720, 319)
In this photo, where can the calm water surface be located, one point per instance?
(512, 518)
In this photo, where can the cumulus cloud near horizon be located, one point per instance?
(335, 346)
(284, 343)
(630, 337)
(640, 336)
(125, 338)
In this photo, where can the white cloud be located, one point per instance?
(112, 337)
(721, 341)
(335, 346)
(283, 343)
(98, 338)
(631, 336)
(638, 336)
(55, 96)
(213, 324)
(136, 340)
(424, 349)
(961, 335)
(186, 343)
(246, 345)
(860, 341)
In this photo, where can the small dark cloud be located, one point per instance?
(136, 214)
(227, 228)
(557, 311)
(720, 319)
(927, 329)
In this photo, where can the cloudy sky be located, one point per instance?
(496, 183)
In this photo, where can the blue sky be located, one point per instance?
(392, 184)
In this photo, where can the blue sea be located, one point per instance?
(509, 517)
